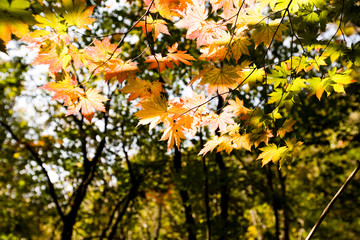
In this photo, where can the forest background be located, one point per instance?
(65, 177)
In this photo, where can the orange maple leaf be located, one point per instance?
(57, 58)
(120, 69)
(158, 25)
(177, 56)
(174, 133)
(286, 127)
(142, 89)
(88, 102)
(65, 89)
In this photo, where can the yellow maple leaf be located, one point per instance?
(154, 111)
(220, 79)
(139, 88)
(272, 153)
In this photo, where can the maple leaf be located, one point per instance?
(88, 102)
(100, 53)
(142, 89)
(220, 79)
(272, 153)
(14, 19)
(154, 111)
(157, 61)
(148, 24)
(318, 86)
(173, 134)
(177, 56)
(65, 89)
(215, 121)
(77, 55)
(52, 20)
(262, 136)
(266, 32)
(242, 141)
(194, 19)
(120, 69)
(240, 47)
(211, 145)
(236, 107)
(57, 58)
(76, 13)
(286, 127)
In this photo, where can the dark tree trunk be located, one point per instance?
(190, 222)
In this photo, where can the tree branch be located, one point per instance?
(38, 160)
(331, 203)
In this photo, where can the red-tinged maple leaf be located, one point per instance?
(261, 137)
(196, 102)
(87, 103)
(77, 56)
(65, 89)
(215, 121)
(158, 61)
(57, 59)
(173, 134)
(120, 69)
(177, 56)
(76, 13)
(148, 24)
(286, 127)
(139, 88)
(100, 53)
(193, 19)
(236, 107)
(154, 111)
(272, 153)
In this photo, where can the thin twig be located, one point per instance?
(331, 203)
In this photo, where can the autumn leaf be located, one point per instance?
(220, 79)
(286, 127)
(157, 61)
(148, 25)
(262, 136)
(120, 69)
(87, 103)
(139, 88)
(193, 19)
(76, 13)
(154, 111)
(14, 19)
(272, 153)
(57, 58)
(177, 56)
(240, 47)
(211, 145)
(215, 121)
(236, 107)
(242, 141)
(66, 89)
(101, 52)
(266, 32)
(173, 134)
